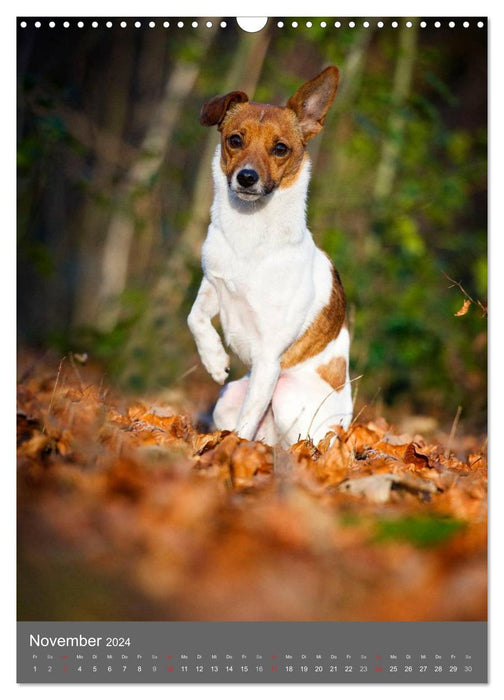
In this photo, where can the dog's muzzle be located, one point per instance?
(246, 185)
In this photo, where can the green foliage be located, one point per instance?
(421, 530)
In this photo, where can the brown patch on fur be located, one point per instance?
(261, 127)
(214, 110)
(334, 373)
(322, 330)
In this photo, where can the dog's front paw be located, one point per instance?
(217, 366)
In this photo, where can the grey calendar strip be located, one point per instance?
(252, 652)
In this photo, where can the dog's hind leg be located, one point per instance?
(306, 407)
(228, 407)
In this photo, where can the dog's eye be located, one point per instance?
(280, 149)
(235, 141)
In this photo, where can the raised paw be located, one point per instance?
(217, 366)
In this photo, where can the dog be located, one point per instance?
(281, 302)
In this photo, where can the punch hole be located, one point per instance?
(251, 24)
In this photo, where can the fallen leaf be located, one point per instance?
(464, 308)
(411, 456)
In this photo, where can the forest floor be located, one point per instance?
(127, 512)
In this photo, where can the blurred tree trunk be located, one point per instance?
(327, 149)
(170, 288)
(136, 184)
(349, 84)
(91, 218)
(391, 148)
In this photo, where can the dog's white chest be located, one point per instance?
(255, 293)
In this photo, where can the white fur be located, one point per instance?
(268, 281)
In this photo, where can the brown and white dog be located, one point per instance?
(279, 297)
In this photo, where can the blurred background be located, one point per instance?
(114, 190)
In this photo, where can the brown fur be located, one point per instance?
(334, 373)
(321, 331)
(312, 101)
(261, 127)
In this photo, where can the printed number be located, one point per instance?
(408, 669)
(438, 669)
(259, 669)
(199, 669)
(453, 669)
(319, 669)
(139, 669)
(94, 669)
(124, 668)
(154, 668)
(214, 669)
(333, 669)
(422, 669)
(393, 669)
(109, 669)
(35, 669)
(468, 668)
(118, 642)
(289, 669)
(244, 669)
(363, 669)
(303, 669)
(49, 668)
(79, 668)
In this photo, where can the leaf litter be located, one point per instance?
(150, 519)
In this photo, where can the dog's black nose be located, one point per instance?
(247, 177)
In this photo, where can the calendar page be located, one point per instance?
(252, 350)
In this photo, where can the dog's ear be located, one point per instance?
(214, 110)
(312, 101)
